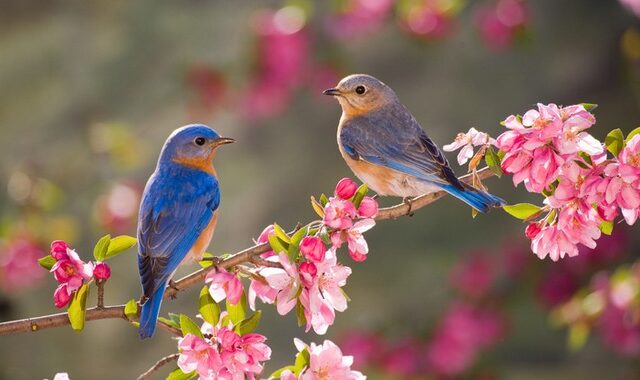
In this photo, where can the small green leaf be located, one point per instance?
(101, 247)
(606, 227)
(359, 195)
(188, 326)
(248, 325)
(208, 308)
(120, 244)
(493, 161)
(204, 263)
(281, 234)
(303, 359)
(277, 373)
(522, 211)
(294, 246)
(177, 374)
(276, 244)
(131, 309)
(323, 200)
(169, 322)
(237, 312)
(78, 308)
(578, 335)
(302, 320)
(631, 134)
(317, 207)
(589, 106)
(614, 141)
(47, 262)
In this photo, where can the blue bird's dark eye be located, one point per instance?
(200, 141)
(360, 90)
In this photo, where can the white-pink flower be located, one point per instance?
(326, 361)
(339, 213)
(467, 141)
(223, 284)
(196, 354)
(286, 282)
(242, 354)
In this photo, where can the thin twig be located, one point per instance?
(100, 284)
(159, 363)
(248, 255)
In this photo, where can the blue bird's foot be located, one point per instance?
(409, 202)
(172, 285)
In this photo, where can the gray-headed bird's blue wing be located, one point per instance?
(394, 139)
(170, 222)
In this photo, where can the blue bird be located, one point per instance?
(178, 213)
(386, 148)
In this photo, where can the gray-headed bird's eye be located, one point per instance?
(200, 141)
(360, 90)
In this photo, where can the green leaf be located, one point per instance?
(302, 320)
(276, 374)
(177, 374)
(522, 211)
(170, 322)
(237, 312)
(303, 359)
(248, 325)
(589, 106)
(631, 134)
(614, 141)
(606, 227)
(276, 244)
(47, 262)
(120, 244)
(188, 326)
(294, 246)
(206, 263)
(78, 308)
(208, 308)
(323, 200)
(317, 207)
(131, 309)
(281, 234)
(578, 335)
(359, 195)
(493, 161)
(101, 247)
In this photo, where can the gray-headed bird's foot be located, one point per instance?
(409, 202)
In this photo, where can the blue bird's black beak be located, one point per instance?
(331, 92)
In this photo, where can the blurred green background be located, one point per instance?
(90, 90)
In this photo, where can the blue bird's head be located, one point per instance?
(360, 93)
(193, 146)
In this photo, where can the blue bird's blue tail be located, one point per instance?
(149, 314)
(475, 198)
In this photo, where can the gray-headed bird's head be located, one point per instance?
(360, 93)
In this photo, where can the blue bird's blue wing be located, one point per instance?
(169, 225)
(394, 139)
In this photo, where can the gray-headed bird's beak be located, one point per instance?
(223, 140)
(331, 92)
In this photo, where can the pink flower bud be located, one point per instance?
(368, 208)
(532, 230)
(59, 249)
(345, 188)
(101, 271)
(61, 296)
(313, 248)
(307, 272)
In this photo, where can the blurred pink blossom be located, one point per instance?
(498, 24)
(429, 19)
(474, 275)
(403, 358)
(357, 18)
(365, 347)
(19, 267)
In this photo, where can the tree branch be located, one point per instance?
(159, 363)
(246, 256)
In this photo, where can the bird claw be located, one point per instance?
(172, 285)
(409, 202)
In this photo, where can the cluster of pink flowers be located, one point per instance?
(500, 23)
(71, 272)
(221, 353)
(326, 361)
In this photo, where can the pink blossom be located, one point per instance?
(358, 247)
(368, 208)
(632, 5)
(242, 354)
(431, 20)
(346, 188)
(196, 354)
(59, 250)
(286, 283)
(308, 272)
(62, 295)
(19, 267)
(473, 276)
(313, 248)
(499, 24)
(326, 361)
(339, 214)
(224, 285)
(325, 294)
(467, 141)
(72, 271)
(101, 271)
(258, 289)
(358, 18)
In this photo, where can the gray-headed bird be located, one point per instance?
(386, 148)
